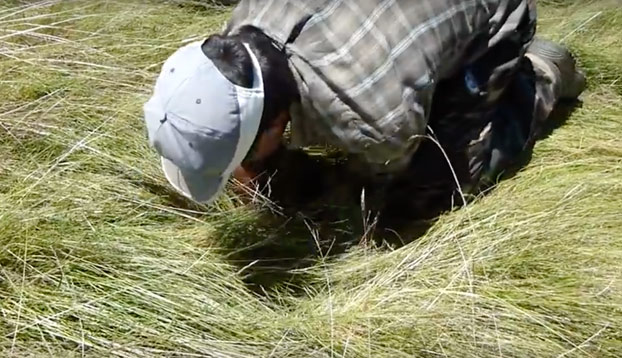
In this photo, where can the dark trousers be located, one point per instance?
(485, 118)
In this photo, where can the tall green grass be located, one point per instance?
(98, 257)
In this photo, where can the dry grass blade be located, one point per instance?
(98, 257)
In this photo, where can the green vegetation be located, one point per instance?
(99, 258)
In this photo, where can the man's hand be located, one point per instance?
(244, 176)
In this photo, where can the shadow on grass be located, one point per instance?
(321, 214)
(558, 117)
(270, 246)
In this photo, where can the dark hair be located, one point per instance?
(232, 59)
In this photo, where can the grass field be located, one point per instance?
(99, 258)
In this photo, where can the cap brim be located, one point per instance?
(197, 187)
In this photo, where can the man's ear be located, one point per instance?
(281, 122)
(267, 141)
(273, 135)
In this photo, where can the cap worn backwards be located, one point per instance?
(201, 124)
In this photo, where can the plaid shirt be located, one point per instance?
(367, 69)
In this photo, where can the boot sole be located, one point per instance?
(565, 62)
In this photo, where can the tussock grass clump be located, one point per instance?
(98, 257)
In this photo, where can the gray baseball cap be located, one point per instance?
(201, 124)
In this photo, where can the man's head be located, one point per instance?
(219, 108)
